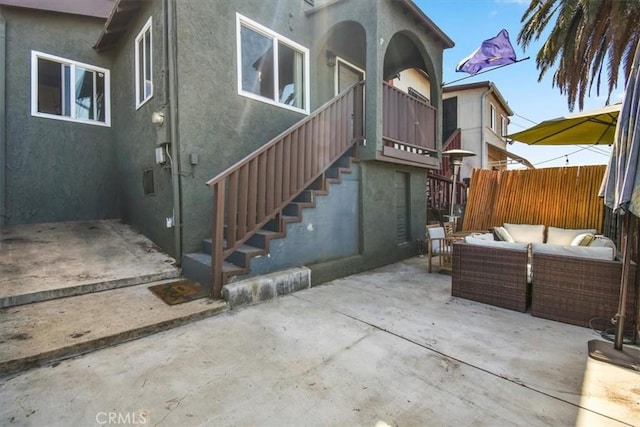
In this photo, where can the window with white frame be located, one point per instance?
(144, 65)
(69, 90)
(271, 68)
(504, 124)
(493, 118)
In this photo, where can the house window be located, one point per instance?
(271, 68)
(419, 96)
(504, 124)
(144, 65)
(68, 90)
(493, 118)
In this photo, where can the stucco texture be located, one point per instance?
(55, 170)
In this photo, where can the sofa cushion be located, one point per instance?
(503, 235)
(565, 236)
(603, 242)
(573, 251)
(482, 236)
(526, 233)
(495, 243)
(584, 239)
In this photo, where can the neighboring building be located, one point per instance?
(482, 115)
(126, 111)
(415, 82)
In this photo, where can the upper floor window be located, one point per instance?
(493, 118)
(144, 65)
(69, 90)
(271, 68)
(504, 124)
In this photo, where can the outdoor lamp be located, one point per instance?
(455, 158)
(157, 118)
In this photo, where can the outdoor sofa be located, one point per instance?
(545, 269)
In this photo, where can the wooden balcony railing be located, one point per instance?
(408, 124)
(254, 191)
(439, 192)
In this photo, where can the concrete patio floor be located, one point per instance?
(386, 347)
(53, 260)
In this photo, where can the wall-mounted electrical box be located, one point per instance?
(161, 157)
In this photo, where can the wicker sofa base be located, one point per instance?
(577, 290)
(489, 275)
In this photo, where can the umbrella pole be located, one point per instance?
(624, 282)
(601, 350)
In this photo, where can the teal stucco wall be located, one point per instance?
(54, 170)
(135, 136)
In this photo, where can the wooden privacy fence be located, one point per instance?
(564, 197)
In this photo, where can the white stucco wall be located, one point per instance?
(471, 115)
(414, 79)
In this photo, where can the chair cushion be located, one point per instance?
(526, 233)
(434, 234)
(565, 236)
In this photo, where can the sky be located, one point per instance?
(468, 23)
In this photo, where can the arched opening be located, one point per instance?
(409, 119)
(345, 57)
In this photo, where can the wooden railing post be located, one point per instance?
(217, 239)
(358, 112)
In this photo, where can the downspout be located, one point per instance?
(3, 111)
(483, 98)
(171, 76)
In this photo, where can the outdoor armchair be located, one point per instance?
(438, 245)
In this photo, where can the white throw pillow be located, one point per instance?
(503, 234)
(584, 239)
(565, 236)
(526, 233)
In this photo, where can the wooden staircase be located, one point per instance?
(255, 199)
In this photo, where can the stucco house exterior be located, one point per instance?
(481, 114)
(128, 109)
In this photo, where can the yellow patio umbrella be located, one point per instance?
(587, 127)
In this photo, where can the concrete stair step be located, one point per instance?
(45, 332)
(19, 295)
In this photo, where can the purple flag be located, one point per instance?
(492, 52)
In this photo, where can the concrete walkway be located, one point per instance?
(387, 347)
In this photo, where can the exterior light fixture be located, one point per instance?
(157, 118)
(331, 58)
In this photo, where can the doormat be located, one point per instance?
(180, 291)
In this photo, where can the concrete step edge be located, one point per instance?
(18, 365)
(87, 288)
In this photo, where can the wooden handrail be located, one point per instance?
(254, 191)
